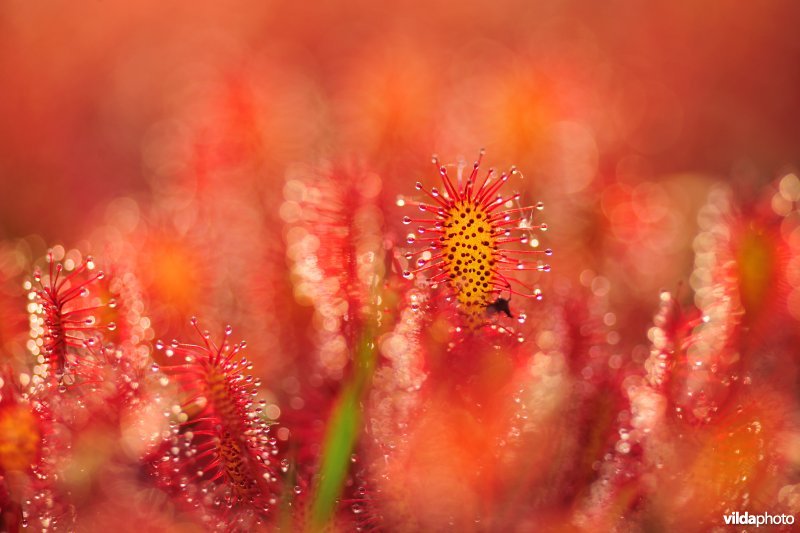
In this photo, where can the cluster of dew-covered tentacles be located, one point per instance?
(446, 392)
(187, 417)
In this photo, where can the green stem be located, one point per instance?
(342, 434)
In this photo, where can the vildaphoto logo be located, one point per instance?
(764, 519)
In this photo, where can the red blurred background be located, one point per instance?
(709, 86)
(186, 139)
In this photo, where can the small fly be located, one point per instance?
(500, 306)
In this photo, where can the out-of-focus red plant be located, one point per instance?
(221, 459)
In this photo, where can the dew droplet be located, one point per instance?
(406, 220)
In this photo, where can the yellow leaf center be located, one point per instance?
(469, 247)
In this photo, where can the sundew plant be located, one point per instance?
(239, 292)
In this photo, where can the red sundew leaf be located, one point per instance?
(222, 458)
(584, 330)
(740, 285)
(691, 393)
(711, 354)
(737, 462)
(64, 325)
(761, 248)
(336, 247)
(401, 372)
(616, 496)
(745, 254)
(466, 229)
(33, 450)
(618, 491)
(669, 336)
(119, 371)
(89, 334)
